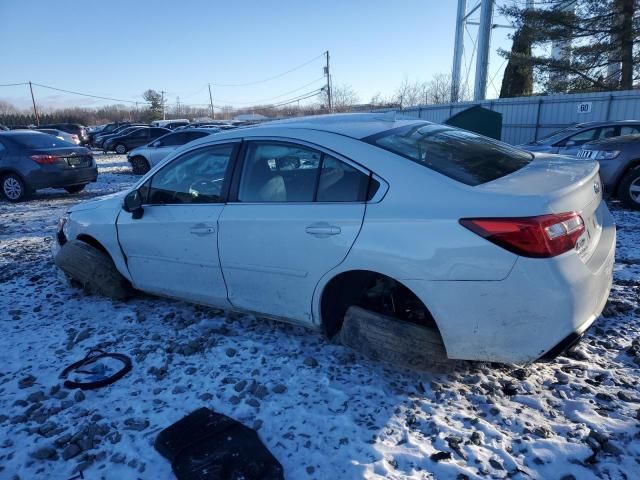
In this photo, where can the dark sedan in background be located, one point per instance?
(619, 160)
(138, 136)
(568, 141)
(33, 160)
(98, 140)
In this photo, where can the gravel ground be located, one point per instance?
(322, 410)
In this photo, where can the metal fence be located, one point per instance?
(525, 119)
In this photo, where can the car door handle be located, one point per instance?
(323, 230)
(202, 229)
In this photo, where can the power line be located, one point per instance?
(273, 98)
(13, 84)
(269, 78)
(85, 94)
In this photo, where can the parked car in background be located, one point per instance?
(104, 130)
(32, 160)
(144, 158)
(4, 128)
(619, 160)
(73, 128)
(568, 141)
(67, 137)
(170, 124)
(98, 141)
(136, 137)
(303, 219)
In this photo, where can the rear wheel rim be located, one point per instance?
(634, 190)
(12, 188)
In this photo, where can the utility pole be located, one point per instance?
(163, 113)
(328, 87)
(35, 110)
(484, 42)
(458, 51)
(213, 114)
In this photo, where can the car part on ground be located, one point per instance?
(388, 339)
(99, 375)
(93, 269)
(31, 160)
(209, 445)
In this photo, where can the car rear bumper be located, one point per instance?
(62, 178)
(536, 312)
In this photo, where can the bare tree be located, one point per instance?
(343, 97)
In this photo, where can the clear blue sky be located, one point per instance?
(120, 48)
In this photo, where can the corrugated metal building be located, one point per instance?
(525, 119)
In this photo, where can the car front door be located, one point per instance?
(173, 248)
(294, 215)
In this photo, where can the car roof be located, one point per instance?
(355, 125)
(611, 122)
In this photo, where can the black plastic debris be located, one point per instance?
(97, 369)
(206, 445)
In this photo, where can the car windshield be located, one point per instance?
(463, 156)
(559, 135)
(39, 140)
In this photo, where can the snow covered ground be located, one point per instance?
(322, 410)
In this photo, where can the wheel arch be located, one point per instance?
(336, 290)
(631, 165)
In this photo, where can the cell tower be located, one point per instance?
(482, 44)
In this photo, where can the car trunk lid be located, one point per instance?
(67, 157)
(565, 185)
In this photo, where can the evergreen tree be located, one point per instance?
(599, 45)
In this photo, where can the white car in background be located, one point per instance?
(143, 158)
(509, 259)
(67, 137)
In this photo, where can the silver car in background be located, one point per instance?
(67, 137)
(144, 158)
(619, 160)
(568, 141)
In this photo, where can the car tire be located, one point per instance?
(13, 188)
(93, 269)
(120, 148)
(75, 188)
(629, 188)
(140, 165)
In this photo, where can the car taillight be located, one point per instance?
(44, 159)
(544, 236)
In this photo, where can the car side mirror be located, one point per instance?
(156, 144)
(133, 204)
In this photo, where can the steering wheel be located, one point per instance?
(204, 186)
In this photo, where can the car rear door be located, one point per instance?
(295, 213)
(172, 249)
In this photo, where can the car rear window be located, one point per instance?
(463, 156)
(39, 140)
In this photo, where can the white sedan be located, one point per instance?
(508, 255)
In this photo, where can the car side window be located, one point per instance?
(172, 140)
(340, 182)
(277, 172)
(191, 136)
(582, 137)
(629, 130)
(195, 177)
(607, 132)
